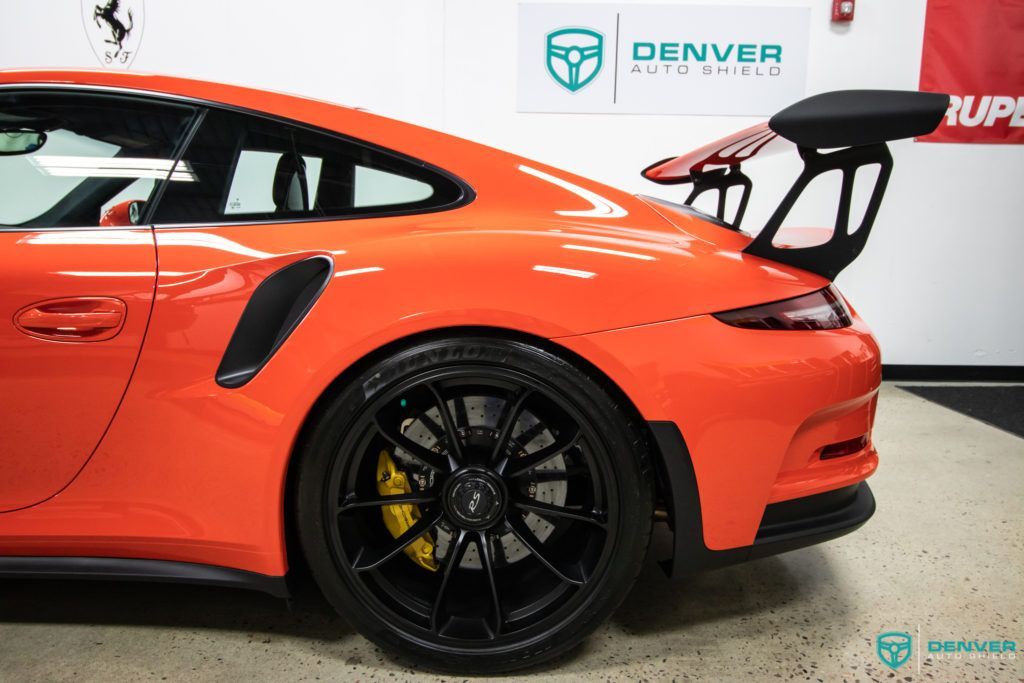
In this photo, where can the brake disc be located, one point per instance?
(482, 416)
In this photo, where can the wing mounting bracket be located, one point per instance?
(844, 245)
(722, 180)
(856, 124)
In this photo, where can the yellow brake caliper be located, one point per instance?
(399, 518)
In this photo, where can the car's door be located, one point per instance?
(76, 273)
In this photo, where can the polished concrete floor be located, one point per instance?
(943, 559)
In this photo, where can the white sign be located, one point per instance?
(661, 59)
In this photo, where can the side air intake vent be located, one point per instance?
(276, 308)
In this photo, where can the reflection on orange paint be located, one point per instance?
(188, 470)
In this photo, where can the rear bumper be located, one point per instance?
(785, 526)
(767, 416)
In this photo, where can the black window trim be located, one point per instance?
(158, 192)
(467, 196)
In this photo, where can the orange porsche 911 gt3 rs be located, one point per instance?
(241, 327)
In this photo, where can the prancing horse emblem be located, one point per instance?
(114, 29)
(118, 31)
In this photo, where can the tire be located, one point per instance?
(526, 552)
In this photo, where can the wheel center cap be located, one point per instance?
(474, 498)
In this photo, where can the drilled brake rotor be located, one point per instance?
(480, 429)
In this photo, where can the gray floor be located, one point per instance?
(944, 554)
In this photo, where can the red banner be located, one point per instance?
(974, 50)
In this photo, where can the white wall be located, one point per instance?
(939, 281)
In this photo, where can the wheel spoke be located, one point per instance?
(557, 475)
(371, 558)
(421, 453)
(487, 562)
(507, 422)
(455, 552)
(499, 552)
(436, 430)
(531, 433)
(454, 443)
(536, 547)
(461, 419)
(352, 502)
(514, 467)
(548, 510)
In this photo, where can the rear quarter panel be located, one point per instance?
(752, 405)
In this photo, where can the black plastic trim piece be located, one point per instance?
(785, 526)
(721, 181)
(277, 306)
(179, 152)
(851, 118)
(846, 242)
(128, 569)
(954, 373)
(689, 554)
(822, 520)
(789, 515)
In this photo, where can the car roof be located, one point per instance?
(407, 137)
(175, 86)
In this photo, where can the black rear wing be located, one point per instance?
(854, 124)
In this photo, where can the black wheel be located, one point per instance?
(480, 505)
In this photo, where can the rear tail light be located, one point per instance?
(821, 310)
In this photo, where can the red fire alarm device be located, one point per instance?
(842, 10)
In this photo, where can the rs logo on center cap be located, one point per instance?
(574, 57)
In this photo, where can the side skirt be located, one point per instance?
(123, 569)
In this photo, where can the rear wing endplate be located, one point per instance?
(853, 124)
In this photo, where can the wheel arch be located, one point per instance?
(663, 492)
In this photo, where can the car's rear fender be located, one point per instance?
(755, 409)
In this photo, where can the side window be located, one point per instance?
(249, 168)
(81, 159)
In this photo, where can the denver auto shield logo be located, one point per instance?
(114, 30)
(574, 57)
(893, 648)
